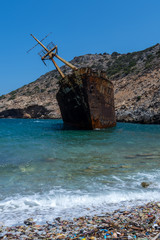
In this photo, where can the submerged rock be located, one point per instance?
(145, 184)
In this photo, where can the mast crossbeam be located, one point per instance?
(51, 52)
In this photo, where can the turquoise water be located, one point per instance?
(46, 171)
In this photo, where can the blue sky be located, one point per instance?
(78, 27)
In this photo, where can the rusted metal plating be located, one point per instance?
(86, 100)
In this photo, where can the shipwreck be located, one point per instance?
(85, 97)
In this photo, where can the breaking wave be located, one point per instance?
(46, 207)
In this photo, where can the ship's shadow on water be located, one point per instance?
(57, 126)
(62, 126)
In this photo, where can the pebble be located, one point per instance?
(145, 184)
(142, 222)
(28, 221)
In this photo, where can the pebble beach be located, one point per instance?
(141, 222)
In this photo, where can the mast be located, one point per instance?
(49, 54)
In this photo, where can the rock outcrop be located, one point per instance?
(137, 98)
(33, 111)
(136, 78)
(41, 93)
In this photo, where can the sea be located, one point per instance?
(47, 171)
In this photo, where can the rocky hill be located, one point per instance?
(136, 78)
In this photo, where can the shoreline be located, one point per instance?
(140, 222)
(118, 121)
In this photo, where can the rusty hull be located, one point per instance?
(86, 100)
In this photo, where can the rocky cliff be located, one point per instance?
(136, 78)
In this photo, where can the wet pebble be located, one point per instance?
(141, 222)
(28, 221)
(145, 184)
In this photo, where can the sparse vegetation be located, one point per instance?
(12, 97)
(158, 53)
(2, 97)
(48, 85)
(123, 64)
(94, 66)
(148, 63)
(100, 67)
(109, 63)
(27, 92)
(115, 54)
(43, 90)
(58, 77)
(13, 92)
(138, 98)
(37, 89)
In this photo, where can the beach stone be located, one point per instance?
(28, 221)
(2, 235)
(26, 115)
(24, 236)
(145, 184)
(61, 236)
(114, 235)
(58, 219)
